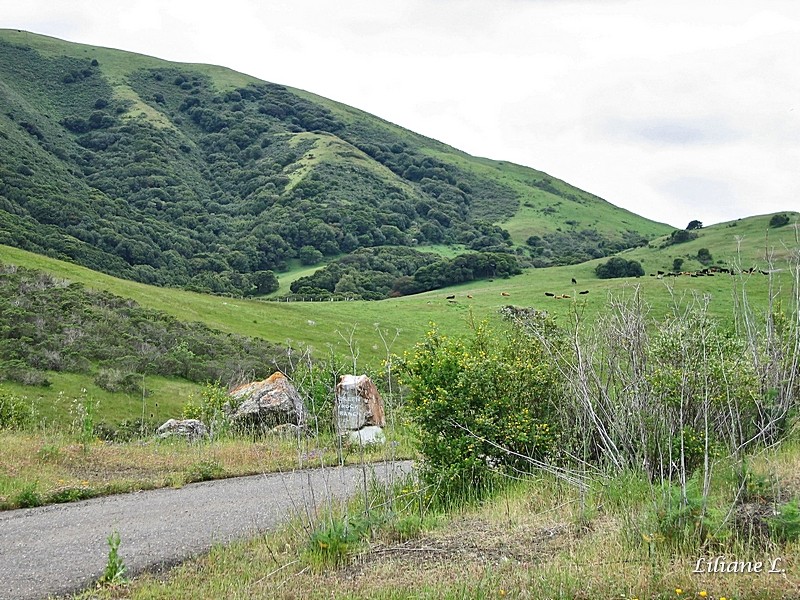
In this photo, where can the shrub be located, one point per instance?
(212, 409)
(704, 256)
(309, 255)
(680, 236)
(69, 494)
(15, 412)
(619, 267)
(126, 430)
(481, 404)
(315, 382)
(778, 220)
(684, 519)
(115, 380)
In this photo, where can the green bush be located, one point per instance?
(211, 409)
(115, 380)
(69, 494)
(315, 383)
(704, 256)
(696, 367)
(778, 220)
(481, 404)
(15, 412)
(680, 236)
(618, 267)
(682, 518)
(784, 526)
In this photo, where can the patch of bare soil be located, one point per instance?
(469, 542)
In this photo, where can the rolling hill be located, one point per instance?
(363, 332)
(199, 177)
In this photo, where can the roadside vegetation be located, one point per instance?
(630, 455)
(595, 411)
(81, 453)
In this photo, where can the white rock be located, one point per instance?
(372, 434)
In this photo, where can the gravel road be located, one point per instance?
(60, 549)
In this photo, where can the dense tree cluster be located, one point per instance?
(377, 273)
(568, 248)
(207, 189)
(47, 324)
(680, 236)
(173, 180)
(704, 256)
(619, 267)
(778, 220)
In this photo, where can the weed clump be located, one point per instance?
(114, 573)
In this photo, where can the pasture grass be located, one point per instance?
(326, 326)
(537, 538)
(55, 404)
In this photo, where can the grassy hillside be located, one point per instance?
(200, 177)
(319, 324)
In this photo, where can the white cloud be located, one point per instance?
(677, 110)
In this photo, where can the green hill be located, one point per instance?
(200, 177)
(137, 338)
(319, 324)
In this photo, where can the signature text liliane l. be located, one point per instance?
(720, 564)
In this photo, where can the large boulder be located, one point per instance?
(189, 429)
(263, 405)
(358, 404)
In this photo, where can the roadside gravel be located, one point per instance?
(60, 549)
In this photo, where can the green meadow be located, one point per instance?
(327, 326)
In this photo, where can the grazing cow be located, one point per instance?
(584, 292)
(451, 297)
(574, 281)
(549, 294)
(506, 294)
(660, 272)
(469, 296)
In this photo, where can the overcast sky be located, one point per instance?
(678, 110)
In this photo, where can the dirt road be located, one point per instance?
(58, 549)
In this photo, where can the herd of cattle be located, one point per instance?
(707, 272)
